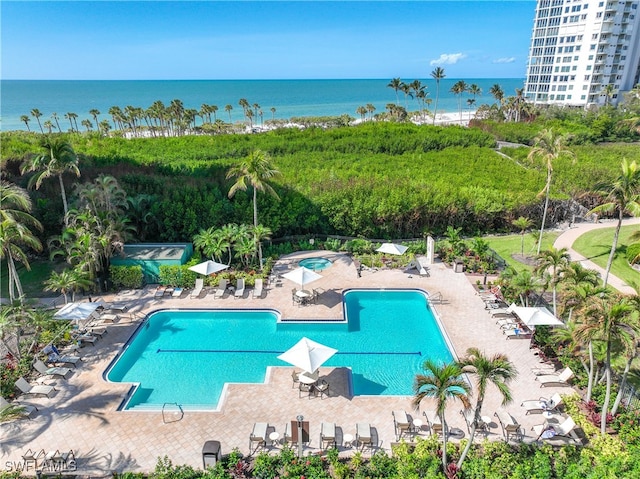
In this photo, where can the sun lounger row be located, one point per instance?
(221, 289)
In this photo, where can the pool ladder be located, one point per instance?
(164, 419)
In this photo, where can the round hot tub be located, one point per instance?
(315, 264)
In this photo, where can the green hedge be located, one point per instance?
(127, 276)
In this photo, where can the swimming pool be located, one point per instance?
(186, 356)
(315, 263)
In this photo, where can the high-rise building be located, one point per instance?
(583, 52)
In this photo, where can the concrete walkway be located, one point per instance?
(566, 240)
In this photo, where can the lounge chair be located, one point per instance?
(258, 437)
(239, 293)
(510, 427)
(35, 390)
(433, 420)
(21, 410)
(110, 318)
(288, 437)
(257, 288)
(469, 416)
(549, 429)
(54, 371)
(560, 379)
(538, 406)
(59, 459)
(85, 338)
(516, 333)
(117, 307)
(220, 290)
(159, 292)
(363, 435)
(328, 434)
(55, 358)
(177, 292)
(198, 288)
(401, 423)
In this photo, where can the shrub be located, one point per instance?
(127, 276)
(633, 253)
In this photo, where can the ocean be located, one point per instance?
(290, 98)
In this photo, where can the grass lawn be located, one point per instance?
(505, 246)
(596, 246)
(32, 281)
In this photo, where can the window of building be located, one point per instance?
(599, 15)
(586, 77)
(583, 97)
(568, 97)
(570, 87)
(592, 47)
(584, 87)
(556, 69)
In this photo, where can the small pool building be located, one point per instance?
(153, 255)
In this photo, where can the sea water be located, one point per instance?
(288, 98)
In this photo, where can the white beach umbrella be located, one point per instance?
(77, 311)
(536, 316)
(392, 248)
(302, 276)
(307, 355)
(208, 267)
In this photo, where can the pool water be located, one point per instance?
(315, 264)
(187, 356)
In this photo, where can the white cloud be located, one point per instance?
(447, 59)
(505, 60)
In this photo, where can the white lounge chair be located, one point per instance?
(198, 288)
(469, 416)
(56, 358)
(27, 388)
(550, 430)
(258, 437)
(222, 287)
(560, 379)
(401, 423)
(327, 434)
(363, 435)
(43, 369)
(510, 427)
(109, 318)
(24, 410)
(257, 288)
(239, 293)
(538, 406)
(177, 292)
(433, 421)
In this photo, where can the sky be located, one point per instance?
(218, 40)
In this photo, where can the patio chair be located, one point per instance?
(401, 423)
(220, 290)
(288, 437)
(258, 437)
(327, 434)
(55, 358)
(560, 379)
(295, 377)
(117, 307)
(58, 460)
(198, 288)
(469, 416)
(159, 292)
(516, 333)
(322, 388)
(177, 292)
(305, 388)
(54, 371)
(257, 288)
(84, 338)
(23, 410)
(510, 427)
(109, 318)
(433, 420)
(239, 293)
(363, 435)
(538, 406)
(549, 429)
(36, 390)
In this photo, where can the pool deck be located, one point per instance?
(82, 415)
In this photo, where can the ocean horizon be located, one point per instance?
(289, 98)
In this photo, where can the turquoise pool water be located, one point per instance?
(315, 264)
(186, 356)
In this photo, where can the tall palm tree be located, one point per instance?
(260, 233)
(556, 260)
(607, 321)
(362, 111)
(458, 89)
(496, 370)
(228, 109)
(94, 113)
(57, 159)
(608, 91)
(370, 109)
(548, 146)
(497, 92)
(25, 119)
(621, 195)
(443, 382)
(395, 84)
(255, 171)
(273, 113)
(437, 74)
(68, 281)
(15, 232)
(523, 224)
(36, 114)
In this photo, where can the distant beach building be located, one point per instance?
(583, 52)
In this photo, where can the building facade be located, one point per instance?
(583, 52)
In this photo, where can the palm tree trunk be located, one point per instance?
(472, 433)
(613, 250)
(623, 383)
(435, 109)
(255, 207)
(544, 213)
(607, 396)
(64, 199)
(444, 443)
(16, 279)
(591, 373)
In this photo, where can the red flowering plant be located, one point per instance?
(627, 425)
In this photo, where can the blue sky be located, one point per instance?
(106, 40)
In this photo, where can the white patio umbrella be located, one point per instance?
(392, 248)
(535, 316)
(77, 311)
(208, 267)
(302, 276)
(307, 355)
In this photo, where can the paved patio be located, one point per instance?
(83, 415)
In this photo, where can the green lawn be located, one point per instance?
(507, 245)
(596, 246)
(32, 281)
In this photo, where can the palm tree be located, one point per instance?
(15, 224)
(57, 159)
(608, 91)
(621, 195)
(458, 89)
(524, 285)
(36, 114)
(395, 84)
(497, 370)
(260, 233)
(497, 92)
(548, 146)
(228, 109)
(607, 321)
(94, 113)
(11, 412)
(211, 242)
(437, 74)
(523, 224)
(443, 382)
(273, 113)
(370, 109)
(255, 171)
(362, 111)
(556, 260)
(68, 281)
(25, 119)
